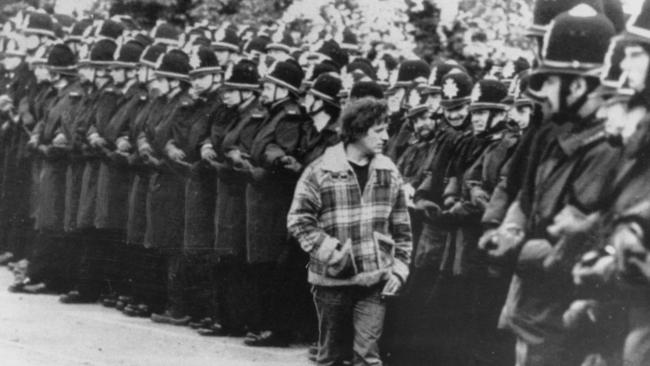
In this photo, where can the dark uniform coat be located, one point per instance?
(230, 218)
(166, 192)
(269, 195)
(45, 97)
(575, 166)
(200, 185)
(428, 251)
(154, 109)
(105, 108)
(52, 182)
(114, 177)
(75, 133)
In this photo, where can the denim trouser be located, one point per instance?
(350, 323)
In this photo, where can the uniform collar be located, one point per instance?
(572, 140)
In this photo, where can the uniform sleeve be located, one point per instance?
(498, 205)
(592, 186)
(286, 138)
(400, 230)
(500, 199)
(26, 114)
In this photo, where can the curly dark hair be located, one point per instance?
(359, 116)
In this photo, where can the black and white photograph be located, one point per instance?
(325, 182)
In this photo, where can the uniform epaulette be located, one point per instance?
(572, 143)
(597, 137)
(511, 139)
(186, 102)
(259, 114)
(497, 136)
(292, 109)
(75, 95)
(143, 97)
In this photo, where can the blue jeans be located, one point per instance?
(350, 323)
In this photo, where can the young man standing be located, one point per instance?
(349, 213)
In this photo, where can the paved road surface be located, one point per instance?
(37, 330)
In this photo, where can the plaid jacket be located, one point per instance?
(328, 210)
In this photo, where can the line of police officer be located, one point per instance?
(151, 171)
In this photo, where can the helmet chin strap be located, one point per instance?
(313, 112)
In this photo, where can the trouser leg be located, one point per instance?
(148, 279)
(197, 284)
(291, 307)
(48, 261)
(334, 308)
(368, 320)
(237, 305)
(175, 285)
(91, 274)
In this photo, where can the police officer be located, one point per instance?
(268, 196)
(47, 260)
(476, 173)
(228, 150)
(402, 95)
(567, 184)
(113, 180)
(147, 274)
(166, 193)
(19, 182)
(456, 89)
(186, 137)
(615, 273)
(92, 276)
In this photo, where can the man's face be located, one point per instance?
(480, 120)
(87, 74)
(433, 101)
(202, 83)
(311, 103)
(118, 75)
(395, 100)
(269, 93)
(424, 125)
(413, 98)
(614, 115)
(144, 73)
(231, 97)
(635, 66)
(550, 91)
(32, 42)
(223, 57)
(42, 74)
(11, 63)
(162, 84)
(521, 115)
(308, 101)
(375, 139)
(101, 74)
(456, 116)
